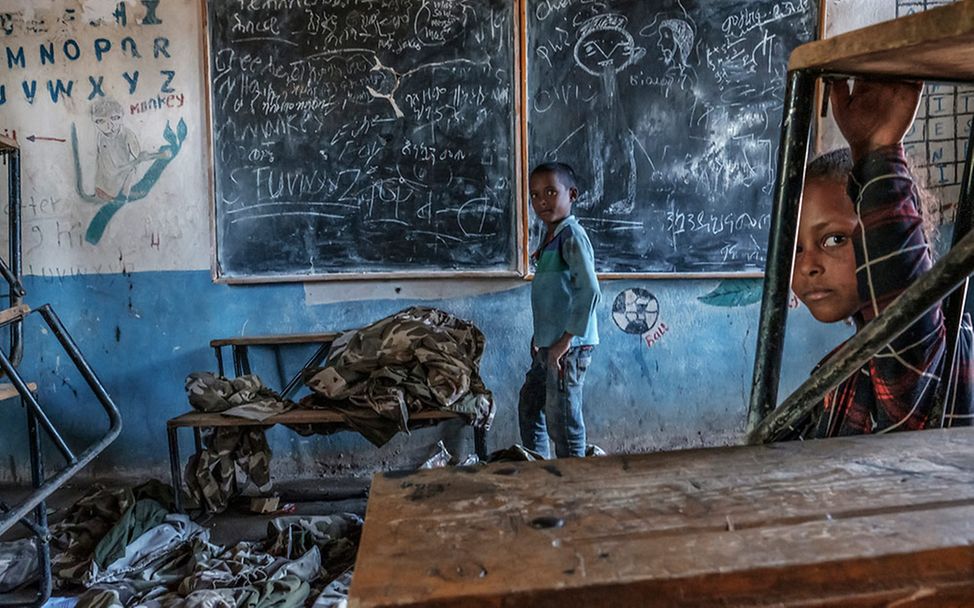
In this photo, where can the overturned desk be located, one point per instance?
(851, 522)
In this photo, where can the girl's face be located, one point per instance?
(824, 278)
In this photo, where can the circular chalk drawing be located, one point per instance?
(635, 311)
(605, 46)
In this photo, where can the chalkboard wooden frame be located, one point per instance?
(518, 258)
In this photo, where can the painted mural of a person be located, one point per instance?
(118, 157)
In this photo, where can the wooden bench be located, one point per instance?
(852, 522)
(241, 363)
(200, 420)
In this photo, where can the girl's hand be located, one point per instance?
(875, 114)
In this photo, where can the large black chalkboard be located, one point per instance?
(670, 112)
(354, 136)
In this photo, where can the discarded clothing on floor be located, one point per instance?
(515, 453)
(232, 457)
(244, 396)
(173, 564)
(163, 554)
(335, 594)
(144, 515)
(18, 564)
(336, 536)
(419, 358)
(76, 537)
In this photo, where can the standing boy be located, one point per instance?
(861, 243)
(564, 295)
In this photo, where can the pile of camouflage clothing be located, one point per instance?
(232, 456)
(419, 358)
(124, 548)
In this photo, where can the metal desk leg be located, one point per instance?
(480, 442)
(177, 478)
(795, 128)
(219, 359)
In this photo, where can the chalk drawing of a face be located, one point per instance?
(675, 41)
(605, 46)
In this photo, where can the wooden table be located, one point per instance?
(852, 522)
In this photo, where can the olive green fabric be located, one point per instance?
(231, 457)
(419, 358)
(143, 515)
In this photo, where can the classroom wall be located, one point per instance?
(131, 280)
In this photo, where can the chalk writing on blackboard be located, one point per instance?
(670, 112)
(353, 137)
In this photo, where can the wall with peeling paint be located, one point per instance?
(673, 369)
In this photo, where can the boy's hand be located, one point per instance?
(877, 113)
(557, 350)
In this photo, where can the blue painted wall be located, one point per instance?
(144, 332)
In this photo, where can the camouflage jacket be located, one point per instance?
(419, 358)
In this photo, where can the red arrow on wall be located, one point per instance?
(33, 138)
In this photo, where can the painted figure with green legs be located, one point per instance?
(118, 157)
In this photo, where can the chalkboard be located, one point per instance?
(351, 136)
(670, 113)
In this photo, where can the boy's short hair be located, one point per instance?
(837, 166)
(564, 172)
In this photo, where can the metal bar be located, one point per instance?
(115, 424)
(16, 288)
(14, 247)
(198, 439)
(26, 522)
(237, 369)
(177, 480)
(795, 129)
(480, 442)
(315, 359)
(953, 307)
(40, 512)
(926, 292)
(219, 359)
(34, 408)
(279, 363)
(39, 526)
(245, 360)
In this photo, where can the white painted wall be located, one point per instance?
(95, 53)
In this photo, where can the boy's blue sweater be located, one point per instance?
(565, 290)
